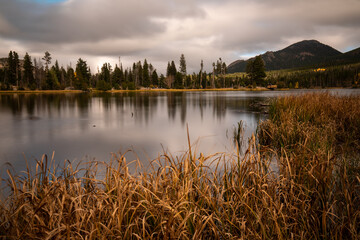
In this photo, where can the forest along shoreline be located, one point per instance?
(167, 90)
(140, 90)
(38, 74)
(315, 138)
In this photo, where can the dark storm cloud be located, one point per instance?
(163, 29)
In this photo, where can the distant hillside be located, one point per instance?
(302, 54)
(352, 56)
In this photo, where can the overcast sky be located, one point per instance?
(101, 31)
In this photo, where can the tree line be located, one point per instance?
(38, 74)
(347, 75)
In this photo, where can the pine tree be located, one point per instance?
(182, 68)
(249, 69)
(105, 73)
(146, 75)
(47, 58)
(204, 80)
(51, 81)
(38, 72)
(162, 81)
(168, 69)
(155, 78)
(171, 74)
(201, 72)
(151, 69)
(28, 75)
(173, 70)
(117, 77)
(182, 65)
(57, 70)
(11, 70)
(17, 69)
(62, 79)
(138, 74)
(70, 77)
(82, 75)
(256, 71)
(213, 76)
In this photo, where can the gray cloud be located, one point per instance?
(80, 20)
(161, 30)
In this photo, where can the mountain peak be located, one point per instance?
(300, 54)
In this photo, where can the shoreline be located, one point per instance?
(157, 90)
(137, 90)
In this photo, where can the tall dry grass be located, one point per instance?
(192, 196)
(317, 141)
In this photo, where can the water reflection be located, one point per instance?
(142, 106)
(94, 125)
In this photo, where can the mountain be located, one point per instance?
(302, 54)
(348, 57)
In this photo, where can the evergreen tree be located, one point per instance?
(155, 78)
(47, 58)
(178, 83)
(126, 75)
(105, 73)
(104, 83)
(204, 80)
(172, 75)
(70, 77)
(146, 75)
(256, 71)
(131, 83)
(38, 73)
(213, 76)
(173, 70)
(28, 76)
(187, 82)
(57, 70)
(11, 70)
(201, 72)
(151, 69)
(17, 69)
(62, 79)
(198, 79)
(168, 69)
(51, 82)
(162, 83)
(182, 68)
(139, 73)
(182, 65)
(82, 75)
(117, 77)
(249, 69)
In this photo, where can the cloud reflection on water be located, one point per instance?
(94, 125)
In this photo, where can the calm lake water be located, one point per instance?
(89, 126)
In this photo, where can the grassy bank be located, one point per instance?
(315, 195)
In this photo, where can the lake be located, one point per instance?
(92, 126)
